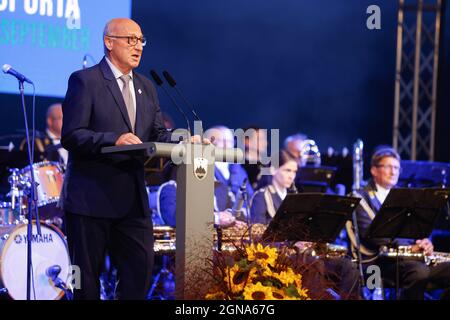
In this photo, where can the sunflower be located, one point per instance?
(279, 294)
(236, 279)
(287, 277)
(262, 255)
(258, 292)
(218, 295)
(303, 294)
(298, 280)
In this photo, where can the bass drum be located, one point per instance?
(48, 249)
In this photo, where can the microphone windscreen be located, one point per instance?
(169, 79)
(6, 68)
(156, 77)
(53, 271)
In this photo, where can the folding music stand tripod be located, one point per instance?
(407, 213)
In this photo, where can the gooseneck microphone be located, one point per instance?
(9, 70)
(159, 82)
(173, 84)
(239, 203)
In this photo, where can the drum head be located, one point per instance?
(48, 250)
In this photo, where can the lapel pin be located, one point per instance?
(139, 91)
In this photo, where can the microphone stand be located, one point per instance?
(32, 200)
(245, 197)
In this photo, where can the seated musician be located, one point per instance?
(414, 275)
(265, 202)
(255, 144)
(48, 145)
(293, 146)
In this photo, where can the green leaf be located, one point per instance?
(291, 291)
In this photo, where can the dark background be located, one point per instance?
(293, 65)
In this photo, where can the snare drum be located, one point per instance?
(48, 249)
(164, 240)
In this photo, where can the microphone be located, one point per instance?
(9, 70)
(159, 82)
(53, 271)
(239, 203)
(56, 221)
(173, 84)
(85, 61)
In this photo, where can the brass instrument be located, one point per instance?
(405, 252)
(164, 242)
(358, 164)
(322, 250)
(309, 153)
(437, 258)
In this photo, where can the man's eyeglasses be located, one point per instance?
(132, 40)
(390, 167)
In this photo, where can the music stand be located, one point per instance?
(310, 217)
(314, 178)
(408, 213)
(424, 174)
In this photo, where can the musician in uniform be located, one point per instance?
(341, 271)
(414, 275)
(48, 144)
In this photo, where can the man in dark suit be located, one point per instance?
(104, 196)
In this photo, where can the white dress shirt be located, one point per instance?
(63, 153)
(381, 193)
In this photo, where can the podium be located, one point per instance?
(195, 203)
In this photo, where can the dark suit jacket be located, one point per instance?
(95, 115)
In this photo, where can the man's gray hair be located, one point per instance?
(106, 31)
(294, 137)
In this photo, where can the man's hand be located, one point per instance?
(198, 139)
(423, 245)
(127, 139)
(303, 246)
(225, 218)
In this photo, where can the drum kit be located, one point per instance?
(49, 248)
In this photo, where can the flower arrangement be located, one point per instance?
(256, 272)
